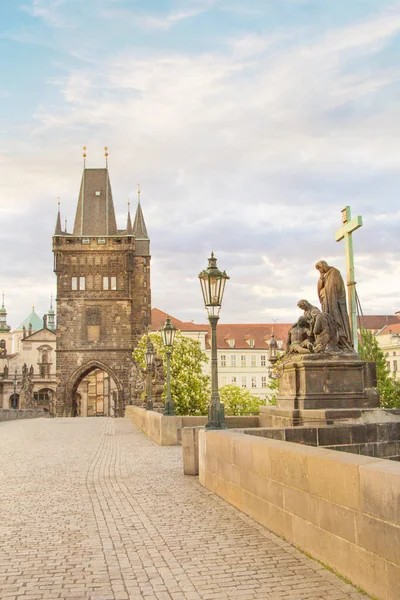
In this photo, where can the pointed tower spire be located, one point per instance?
(139, 226)
(95, 214)
(58, 230)
(51, 316)
(129, 230)
(3, 317)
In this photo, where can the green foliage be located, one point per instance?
(190, 388)
(388, 386)
(273, 387)
(238, 401)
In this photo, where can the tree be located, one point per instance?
(190, 388)
(388, 386)
(238, 401)
(273, 387)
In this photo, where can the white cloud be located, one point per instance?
(251, 151)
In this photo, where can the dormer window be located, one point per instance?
(251, 343)
(231, 343)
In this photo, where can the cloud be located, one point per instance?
(250, 149)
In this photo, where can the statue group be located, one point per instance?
(326, 330)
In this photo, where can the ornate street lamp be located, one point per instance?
(212, 282)
(168, 335)
(149, 356)
(273, 350)
(274, 371)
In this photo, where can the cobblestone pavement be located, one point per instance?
(92, 509)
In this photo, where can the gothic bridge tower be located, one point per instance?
(103, 293)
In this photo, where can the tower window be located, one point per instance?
(109, 283)
(78, 283)
(93, 319)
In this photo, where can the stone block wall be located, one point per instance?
(343, 509)
(167, 431)
(381, 440)
(9, 414)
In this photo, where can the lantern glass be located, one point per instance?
(168, 333)
(273, 348)
(149, 354)
(212, 282)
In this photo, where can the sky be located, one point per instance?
(249, 126)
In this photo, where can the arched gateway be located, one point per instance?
(94, 390)
(103, 299)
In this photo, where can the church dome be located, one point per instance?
(34, 319)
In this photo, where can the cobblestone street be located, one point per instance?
(92, 509)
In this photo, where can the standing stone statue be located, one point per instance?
(332, 295)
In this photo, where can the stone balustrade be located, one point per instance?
(343, 509)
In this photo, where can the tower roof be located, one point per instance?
(139, 226)
(37, 322)
(58, 230)
(3, 310)
(129, 230)
(95, 213)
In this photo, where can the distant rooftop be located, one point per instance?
(37, 322)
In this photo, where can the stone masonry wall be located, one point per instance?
(343, 509)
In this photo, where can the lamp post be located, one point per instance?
(149, 356)
(273, 350)
(168, 335)
(274, 371)
(212, 282)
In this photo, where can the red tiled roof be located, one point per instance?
(240, 332)
(376, 322)
(392, 328)
(158, 320)
(260, 332)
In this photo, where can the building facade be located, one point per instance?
(242, 350)
(103, 294)
(389, 341)
(28, 374)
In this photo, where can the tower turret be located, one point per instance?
(51, 316)
(3, 317)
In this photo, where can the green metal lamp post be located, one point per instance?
(168, 335)
(149, 356)
(212, 282)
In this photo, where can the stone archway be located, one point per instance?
(92, 390)
(14, 401)
(44, 399)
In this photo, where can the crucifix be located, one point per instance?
(345, 232)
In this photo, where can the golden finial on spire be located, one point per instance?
(65, 225)
(33, 308)
(106, 154)
(58, 202)
(129, 205)
(84, 156)
(138, 191)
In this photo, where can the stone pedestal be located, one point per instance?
(325, 388)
